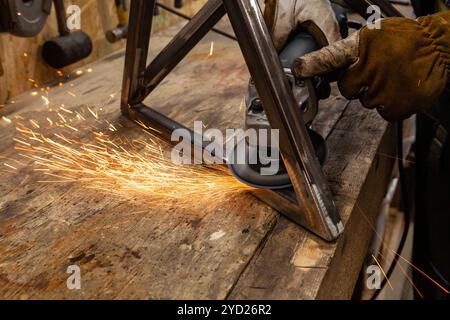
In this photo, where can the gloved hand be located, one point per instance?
(399, 69)
(316, 16)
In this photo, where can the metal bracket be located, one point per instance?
(309, 202)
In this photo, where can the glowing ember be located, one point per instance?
(211, 50)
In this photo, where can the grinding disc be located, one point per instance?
(250, 174)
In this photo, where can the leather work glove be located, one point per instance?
(399, 69)
(283, 17)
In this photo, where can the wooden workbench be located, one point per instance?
(134, 247)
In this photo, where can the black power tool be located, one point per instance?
(306, 93)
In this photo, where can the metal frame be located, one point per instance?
(309, 202)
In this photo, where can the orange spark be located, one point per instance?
(423, 273)
(61, 116)
(9, 166)
(116, 164)
(93, 113)
(408, 278)
(34, 123)
(46, 101)
(382, 270)
(7, 119)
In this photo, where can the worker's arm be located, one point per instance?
(399, 69)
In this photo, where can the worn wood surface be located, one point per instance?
(133, 246)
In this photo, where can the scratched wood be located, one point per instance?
(134, 246)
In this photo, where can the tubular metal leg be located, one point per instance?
(316, 211)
